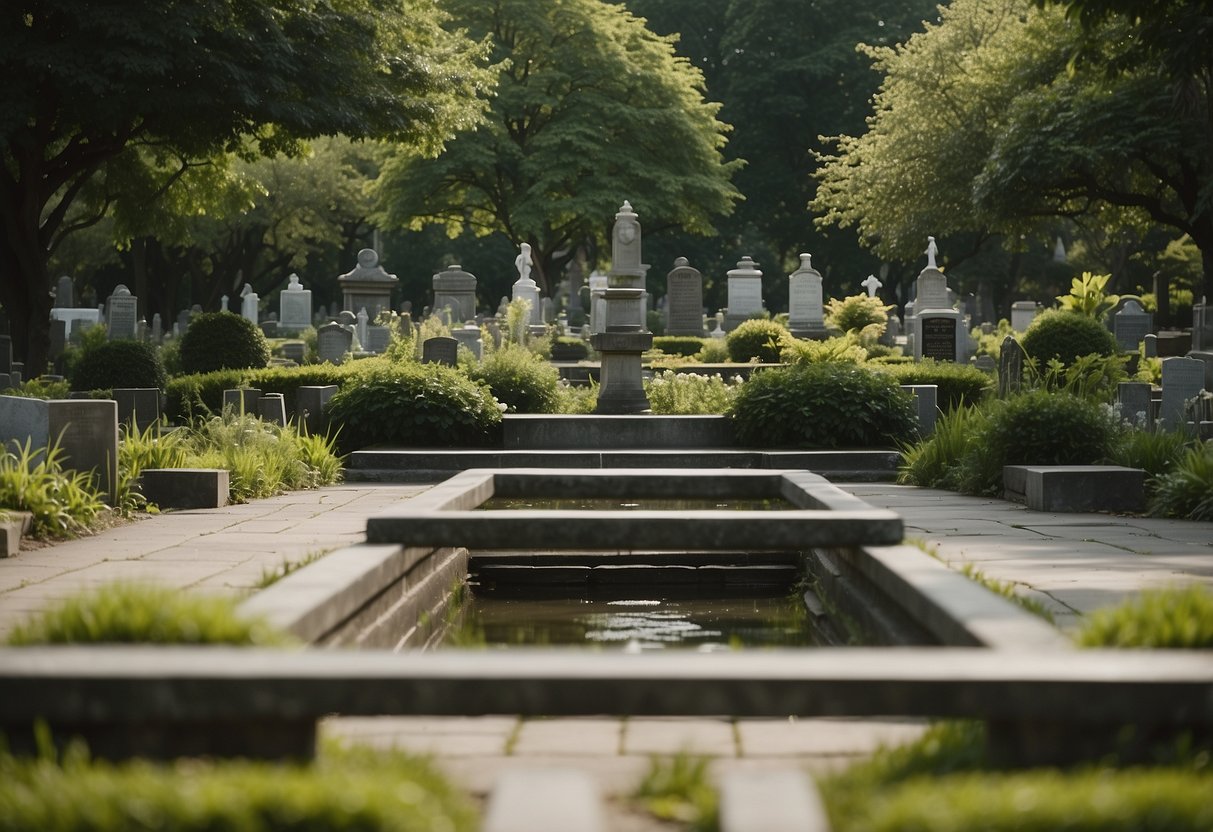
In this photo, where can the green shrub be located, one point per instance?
(714, 351)
(1066, 336)
(415, 405)
(40, 388)
(521, 380)
(959, 384)
(1036, 428)
(1170, 618)
(138, 614)
(63, 503)
(113, 364)
(1187, 489)
(823, 405)
(342, 790)
(577, 400)
(222, 341)
(935, 462)
(842, 349)
(690, 394)
(757, 338)
(856, 313)
(1090, 376)
(688, 346)
(201, 395)
(566, 348)
(1155, 452)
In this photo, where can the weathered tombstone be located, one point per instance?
(295, 351)
(76, 319)
(309, 405)
(985, 363)
(468, 336)
(1022, 313)
(1182, 379)
(892, 329)
(183, 321)
(347, 318)
(272, 408)
(249, 303)
(525, 288)
(806, 312)
(86, 431)
(1150, 345)
(940, 335)
(294, 306)
(157, 329)
(241, 400)
(684, 300)
(745, 293)
(455, 289)
(138, 406)
(122, 314)
(440, 350)
(1134, 404)
(377, 339)
(1130, 324)
(58, 338)
(367, 285)
(926, 401)
(1010, 367)
(64, 293)
(333, 342)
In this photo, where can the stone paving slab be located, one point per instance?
(713, 738)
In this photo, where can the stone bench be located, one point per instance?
(1075, 488)
(185, 487)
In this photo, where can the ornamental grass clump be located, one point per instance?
(1186, 489)
(63, 503)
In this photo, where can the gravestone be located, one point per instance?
(249, 303)
(272, 408)
(138, 406)
(1011, 358)
(1149, 346)
(122, 314)
(440, 350)
(347, 319)
(64, 293)
(183, 321)
(1182, 379)
(76, 319)
(333, 342)
(576, 279)
(940, 335)
(1131, 324)
(310, 401)
(1202, 326)
(367, 285)
(377, 339)
(546, 310)
(294, 351)
(526, 288)
(745, 293)
(684, 300)
(469, 336)
(1134, 404)
(933, 291)
(455, 289)
(985, 363)
(294, 307)
(1022, 313)
(223, 307)
(86, 431)
(598, 286)
(806, 313)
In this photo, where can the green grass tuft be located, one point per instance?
(677, 789)
(1171, 618)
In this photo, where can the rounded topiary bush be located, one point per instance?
(856, 312)
(1039, 427)
(222, 341)
(823, 406)
(113, 364)
(523, 381)
(757, 338)
(686, 346)
(417, 405)
(1066, 336)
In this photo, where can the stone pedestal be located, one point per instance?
(367, 285)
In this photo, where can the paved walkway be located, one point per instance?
(1071, 562)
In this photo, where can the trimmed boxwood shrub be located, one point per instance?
(200, 395)
(959, 384)
(757, 338)
(415, 405)
(1065, 336)
(825, 406)
(222, 341)
(113, 364)
(520, 379)
(687, 346)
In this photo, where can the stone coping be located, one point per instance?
(446, 515)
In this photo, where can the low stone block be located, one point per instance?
(13, 524)
(185, 487)
(773, 801)
(1070, 488)
(545, 800)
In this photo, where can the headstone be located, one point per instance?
(545, 310)
(926, 401)
(223, 307)
(940, 335)
(294, 307)
(684, 300)
(526, 288)
(310, 402)
(64, 293)
(367, 285)
(86, 431)
(1022, 313)
(455, 289)
(932, 291)
(272, 408)
(806, 313)
(1202, 326)
(986, 363)
(157, 329)
(333, 342)
(1011, 358)
(347, 318)
(76, 319)
(598, 287)
(122, 314)
(183, 321)
(469, 336)
(440, 350)
(241, 400)
(1182, 379)
(745, 293)
(138, 406)
(249, 303)
(1150, 345)
(1130, 324)
(1134, 404)
(295, 351)
(377, 339)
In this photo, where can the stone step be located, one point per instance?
(771, 801)
(544, 800)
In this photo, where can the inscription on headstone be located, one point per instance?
(1130, 325)
(938, 337)
(745, 293)
(806, 315)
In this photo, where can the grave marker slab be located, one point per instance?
(806, 312)
(333, 341)
(684, 300)
(122, 314)
(1133, 403)
(378, 338)
(440, 350)
(1182, 379)
(294, 306)
(939, 336)
(745, 293)
(64, 293)
(1022, 313)
(455, 289)
(1011, 358)
(1131, 324)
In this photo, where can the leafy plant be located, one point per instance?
(152, 447)
(62, 503)
(958, 385)
(40, 388)
(841, 349)
(1089, 376)
(677, 789)
(757, 338)
(1186, 490)
(714, 351)
(822, 405)
(222, 341)
(687, 346)
(1155, 452)
(519, 378)
(1066, 336)
(144, 614)
(1168, 618)
(856, 313)
(1088, 296)
(577, 400)
(689, 394)
(123, 363)
(935, 462)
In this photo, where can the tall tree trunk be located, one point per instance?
(25, 292)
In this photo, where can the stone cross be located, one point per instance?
(871, 284)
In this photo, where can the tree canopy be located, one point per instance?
(591, 109)
(186, 79)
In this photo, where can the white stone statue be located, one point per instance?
(871, 284)
(931, 251)
(523, 263)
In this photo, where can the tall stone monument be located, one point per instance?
(64, 293)
(294, 307)
(684, 300)
(455, 289)
(367, 285)
(938, 328)
(624, 337)
(745, 293)
(806, 310)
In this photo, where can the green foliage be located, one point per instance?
(1170, 618)
(139, 614)
(222, 341)
(1066, 336)
(578, 400)
(33, 480)
(936, 462)
(520, 379)
(714, 351)
(1088, 296)
(691, 394)
(758, 339)
(1155, 452)
(822, 405)
(678, 789)
(1089, 376)
(39, 388)
(200, 396)
(149, 448)
(686, 346)
(272, 575)
(368, 791)
(843, 349)
(959, 384)
(567, 348)
(856, 313)
(121, 363)
(415, 405)
(1187, 489)
(991, 344)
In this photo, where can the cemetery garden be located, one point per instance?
(778, 531)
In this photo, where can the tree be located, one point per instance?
(184, 80)
(591, 109)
